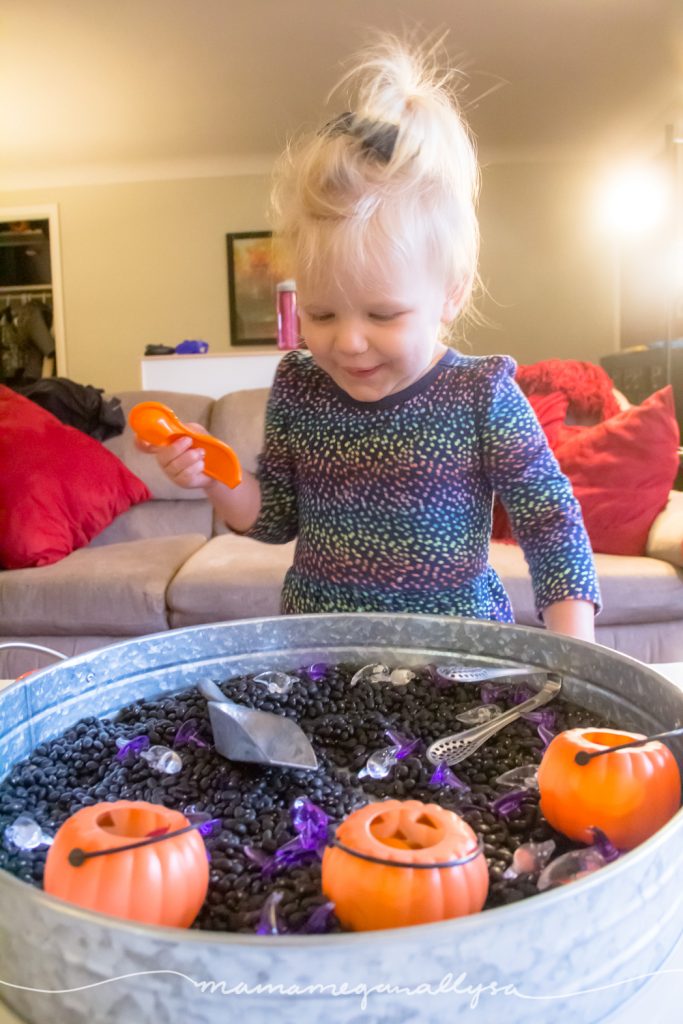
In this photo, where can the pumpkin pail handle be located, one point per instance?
(583, 756)
(410, 864)
(78, 857)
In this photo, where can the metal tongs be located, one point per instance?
(245, 734)
(455, 748)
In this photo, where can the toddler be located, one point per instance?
(383, 446)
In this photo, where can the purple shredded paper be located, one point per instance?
(510, 802)
(311, 825)
(544, 716)
(210, 828)
(514, 693)
(311, 822)
(547, 735)
(319, 920)
(189, 733)
(317, 671)
(445, 776)
(132, 748)
(259, 857)
(405, 746)
(603, 844)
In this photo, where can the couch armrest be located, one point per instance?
(665, 539)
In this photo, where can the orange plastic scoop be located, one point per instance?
(155, 423)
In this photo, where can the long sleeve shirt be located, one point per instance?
(390, 501)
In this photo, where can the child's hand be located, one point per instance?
(181, 463)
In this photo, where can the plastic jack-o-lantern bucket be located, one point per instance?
(396, 863)
(102, 858)
(629, 794)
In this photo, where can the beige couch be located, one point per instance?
(167, 563)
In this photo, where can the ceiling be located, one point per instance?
(122, 89)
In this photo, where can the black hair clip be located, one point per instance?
(376, 137)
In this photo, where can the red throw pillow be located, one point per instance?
(58, 487)
(587, 387)
(622, 471)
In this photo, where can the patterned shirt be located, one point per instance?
(390, 501)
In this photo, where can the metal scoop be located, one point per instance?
(454, 749)
(243, 734)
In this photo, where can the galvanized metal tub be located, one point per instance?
(579, 951)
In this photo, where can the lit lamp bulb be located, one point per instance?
(634, 200)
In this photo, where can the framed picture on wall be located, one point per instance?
(251, 288)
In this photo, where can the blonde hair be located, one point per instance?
(338, 201)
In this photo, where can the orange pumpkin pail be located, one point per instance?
(163, 883)
(629, 794)
(396, 863)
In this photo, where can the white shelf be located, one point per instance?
(209, 374)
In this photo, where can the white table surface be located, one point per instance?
(660, 1000)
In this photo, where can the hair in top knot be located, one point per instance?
(394, 177)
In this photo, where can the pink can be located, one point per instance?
(288, 327)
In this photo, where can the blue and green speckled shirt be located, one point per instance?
(390, 501)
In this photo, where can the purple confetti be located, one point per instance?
(445, 776)
(405, 746)
(189, 733)
(508, 803)
(603, 844)
(132, 748)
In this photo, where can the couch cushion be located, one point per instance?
(117, 590)
(231, 577)
(239, 420)
(633, 589)
(194, 408)
(158, 519)
(235, 577)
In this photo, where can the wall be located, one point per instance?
(549, 273)
(145, 263)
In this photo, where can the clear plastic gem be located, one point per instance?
(570, 867)
(371, 674)
(530, 858)
(524, 777)
(270, 921)
(379, 764)
(163, 759)
(26, 834)
(276, 682)
(482, 713)
(402, 676)
(194, 816)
